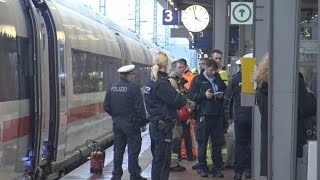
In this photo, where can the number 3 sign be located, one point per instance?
(169, 17)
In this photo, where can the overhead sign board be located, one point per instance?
(170, 17)
(241, 13)
(234, 37)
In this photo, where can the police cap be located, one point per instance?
(126, 69)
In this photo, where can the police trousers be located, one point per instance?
(124, 133)
(161, 144)
(211, 127)
(242, 146)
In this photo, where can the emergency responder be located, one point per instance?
(187, 128)
(177, 81)
(162, 102)
(207, 91)
(224, 75)
(242, 117)
(186, 73)
(123, 101)
(194, 71)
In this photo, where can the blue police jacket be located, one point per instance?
(232, 101)
(124, 99)
(161, 99)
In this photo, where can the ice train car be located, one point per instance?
(56, 63)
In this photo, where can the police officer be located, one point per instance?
(123, 101)
(207, 91)
(242, 117)
(162, 102)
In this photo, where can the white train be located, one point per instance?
(57, 58)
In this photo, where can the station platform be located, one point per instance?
(145, 159)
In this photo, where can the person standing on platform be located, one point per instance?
(202, 65)
(177, 81)
(217, 56)
(224, 75)
(123, 101)
(195, 71)
(207, 91)
(162, 102)
(188, 135)
(242, 118)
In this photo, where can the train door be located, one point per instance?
(49, 85)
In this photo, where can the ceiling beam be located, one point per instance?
(189, 2)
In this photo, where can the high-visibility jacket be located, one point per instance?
(224, 76)
(188, 75)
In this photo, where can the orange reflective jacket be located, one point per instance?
(188, 75)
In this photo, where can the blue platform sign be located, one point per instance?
(234, 37)
(202, 40)
(170, 17)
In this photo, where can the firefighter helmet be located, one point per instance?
(184, 113)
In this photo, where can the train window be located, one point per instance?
(62, 73)
(14, 68)
(142, 72)
(93, 72)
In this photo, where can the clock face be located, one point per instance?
(195, 18)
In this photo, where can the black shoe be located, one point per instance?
(204, 173)
(238, 177)
(195, 167)
(178, 168)
(217, 174)
(137, 178)
(247, 173)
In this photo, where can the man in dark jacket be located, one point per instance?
(207, 91)
(242, 117)
(123, 101)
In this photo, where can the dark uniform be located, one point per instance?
(124, 103)
(162, 102)
(242, 117)
(210, 121)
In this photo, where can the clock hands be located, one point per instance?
(194, 12)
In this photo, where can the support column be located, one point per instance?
(221, 27)
(283, 78)
(261, 46)
(318, 95)
(242, 40)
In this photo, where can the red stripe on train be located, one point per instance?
(82, 112)
(16, 128)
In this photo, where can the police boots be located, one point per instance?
(137, 178)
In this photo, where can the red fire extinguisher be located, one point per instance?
(96, 158)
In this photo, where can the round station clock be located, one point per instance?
(195, 18)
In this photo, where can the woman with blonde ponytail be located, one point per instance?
(162, 102)
(160, 63)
